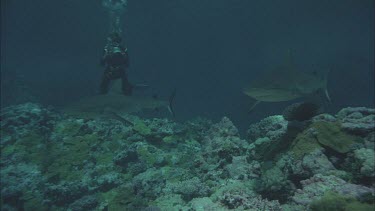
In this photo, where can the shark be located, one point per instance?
(286, 83)
(116, 103)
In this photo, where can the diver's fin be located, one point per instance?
(253, 106)
(170, 105)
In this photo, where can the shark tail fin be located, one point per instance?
(170, 105)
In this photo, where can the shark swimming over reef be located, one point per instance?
(116, 103)
(286, 83)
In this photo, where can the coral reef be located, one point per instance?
(54, 162)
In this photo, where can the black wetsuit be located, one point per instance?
(116, 64)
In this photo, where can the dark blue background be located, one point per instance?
(208, 49)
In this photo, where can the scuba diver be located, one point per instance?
(116, 61)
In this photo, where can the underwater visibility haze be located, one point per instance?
(187, 105)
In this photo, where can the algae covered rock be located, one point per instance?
(324, 133)
(334, 201)
(330, 135)
(141, 128)
(305, 143)
(69, 162)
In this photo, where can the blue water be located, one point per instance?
(207, 50)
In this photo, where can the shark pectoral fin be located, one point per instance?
(327, 95)
(171, 110)
(253, 106)
(170, 103)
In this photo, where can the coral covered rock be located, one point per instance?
(18, 179)
(84, 203)
(317, 163)
(366, 158)
(324, 118)
(241, 169)
(315, 187)
(273, 127)
(269, 137)
(21, 119)
(204, 203)
(241, 201)
(223, 128)
(149, 183)
(170, 202)
(358, 120)
(66, 192)
(188, 189)
(222, 142)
